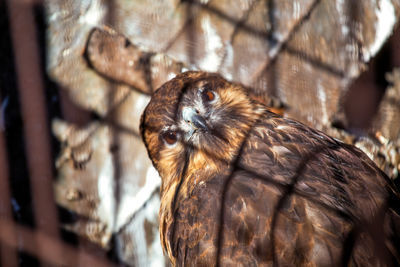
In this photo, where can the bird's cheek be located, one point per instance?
(186, 128)
(170, 160)
(214, 118)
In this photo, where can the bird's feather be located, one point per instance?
(265, 190)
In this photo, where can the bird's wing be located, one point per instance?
(294, 196)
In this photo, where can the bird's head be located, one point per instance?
(197, 118)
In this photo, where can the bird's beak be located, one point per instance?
(199, 122)
(194, 119)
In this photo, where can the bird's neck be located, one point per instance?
(178, 187)
(201, 168)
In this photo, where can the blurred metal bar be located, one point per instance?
(33, 111)
(395, 47)
(71, 112)
(27, 240)
(8, 255)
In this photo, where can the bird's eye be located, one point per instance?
(208, 95)
(170, 137)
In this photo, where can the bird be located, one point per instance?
(243, 186)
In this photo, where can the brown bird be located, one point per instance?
(242, 186)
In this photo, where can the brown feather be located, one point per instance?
(259, 189)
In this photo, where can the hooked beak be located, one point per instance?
(195, 120)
